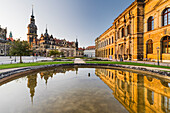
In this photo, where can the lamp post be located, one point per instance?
(158, 54)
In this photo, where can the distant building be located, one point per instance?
(90, 51)
(4, 46)
(46, 42)
(80, 52)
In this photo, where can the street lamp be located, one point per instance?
(158, 54)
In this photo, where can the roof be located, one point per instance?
(90, 48)
(81, 49)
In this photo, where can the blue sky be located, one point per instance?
(69, 19)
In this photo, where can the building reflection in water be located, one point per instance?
(137, 93)
(32, 79)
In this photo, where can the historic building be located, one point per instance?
(90, 51)
(138, 33)
(4, 45)
(137, 93)
(32, 32)
(47, 42)
(157, 30)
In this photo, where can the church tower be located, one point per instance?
(32, 31)
(77, 44)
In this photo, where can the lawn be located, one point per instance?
(126, 63)
(6, 66)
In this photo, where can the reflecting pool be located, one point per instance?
(85, 90)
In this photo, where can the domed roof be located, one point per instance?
(32, 25)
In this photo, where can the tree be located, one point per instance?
(54, 52)
(20, 48)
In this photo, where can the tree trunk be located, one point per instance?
(21, 59)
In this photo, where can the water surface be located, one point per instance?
(85, 90)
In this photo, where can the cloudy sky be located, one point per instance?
(69, 19)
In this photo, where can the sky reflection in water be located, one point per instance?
(82, 90)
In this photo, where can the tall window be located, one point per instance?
(166, 45)
(123, 33)
(150, 96)
(149, 46)
(128, 29)
(112, 51)
(112, 39)
(166, 17)
(150, 23)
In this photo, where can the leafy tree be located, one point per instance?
(20, 48)
(54, 52)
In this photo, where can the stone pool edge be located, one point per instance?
(130, 67)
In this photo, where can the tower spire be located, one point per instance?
(46, 29)
(32, 10)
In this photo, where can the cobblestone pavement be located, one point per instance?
(25, 59)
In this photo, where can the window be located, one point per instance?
(165, 103)
(149, 46)
(109, 41)
(128, 29)
(123, 33)
(166, 45)
(150, 23)
(112, 39)
(112, 51)
(166, 17)
(150, 96)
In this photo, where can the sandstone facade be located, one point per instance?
(128, 37)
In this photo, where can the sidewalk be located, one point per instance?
(143, 62)
(79, 61)
(150, 68)
(10, 69)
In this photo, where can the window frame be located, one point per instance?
(166, 45)
(150, 23)
(166, 14)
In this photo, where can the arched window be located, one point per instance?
(166, 17)
(166, 45)
(150, 23)
(149, 46)
(123, 32)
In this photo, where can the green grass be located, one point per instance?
(6, 66)
(127, 63)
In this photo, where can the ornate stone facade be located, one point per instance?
(127, 37)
